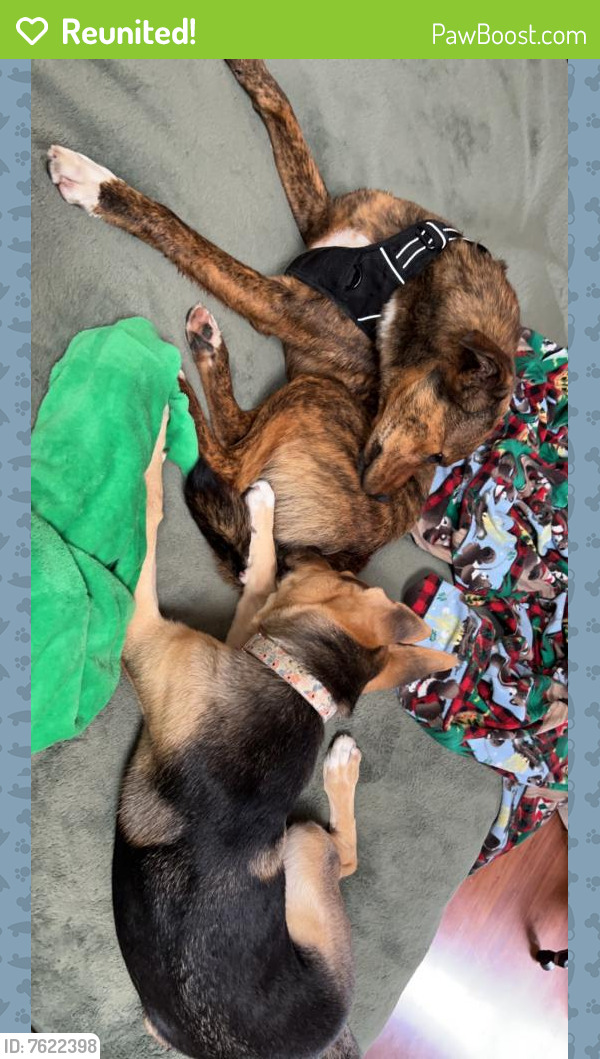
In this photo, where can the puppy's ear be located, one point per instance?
(376, 620)
(404, 626)
(401, 665)
(390, 622)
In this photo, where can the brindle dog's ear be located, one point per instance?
(401, 665)
(482, 358)
(483, 371)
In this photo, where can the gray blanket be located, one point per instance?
(484, 144)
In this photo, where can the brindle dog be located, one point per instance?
(232, 926)
(358, 423)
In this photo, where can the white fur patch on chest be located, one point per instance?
(342, 237)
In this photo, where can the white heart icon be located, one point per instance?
(32, 22)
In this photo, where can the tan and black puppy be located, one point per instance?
(231, 924)
(435, 375)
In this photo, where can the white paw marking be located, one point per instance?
(77, 177)
(341, 753)
(260, 501)
(259, 498)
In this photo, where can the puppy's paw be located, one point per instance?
(77, 177)
(341, 767)
(203, 335)
(260, 501)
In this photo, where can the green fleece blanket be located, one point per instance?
(92, 442)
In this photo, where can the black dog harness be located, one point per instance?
(362, 279)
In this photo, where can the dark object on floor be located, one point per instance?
(548, 959)
(489, 936)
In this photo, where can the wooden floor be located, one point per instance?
(479, 994)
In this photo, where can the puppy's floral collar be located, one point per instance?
(271, 654)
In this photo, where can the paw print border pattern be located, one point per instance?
(584, 785)
(15, 786)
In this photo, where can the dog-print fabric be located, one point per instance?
(500, 519)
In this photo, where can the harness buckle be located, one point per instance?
(431, 238)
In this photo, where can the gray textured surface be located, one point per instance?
(482, 143)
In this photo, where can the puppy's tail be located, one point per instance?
(221, 515)
(344, 1047)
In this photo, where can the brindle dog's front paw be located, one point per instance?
(203, 335)
(77, 177)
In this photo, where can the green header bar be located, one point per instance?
(180, 29)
